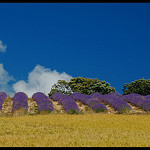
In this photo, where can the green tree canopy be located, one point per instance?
(140, 86)
(89, 86)
(82, 85)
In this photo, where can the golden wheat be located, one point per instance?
(63, 130)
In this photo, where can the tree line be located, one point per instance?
(88, 86)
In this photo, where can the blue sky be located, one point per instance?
(108, 41)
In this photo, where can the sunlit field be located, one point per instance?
(82, 130)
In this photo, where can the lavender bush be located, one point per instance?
(69, 104)
(20, 100)
(61, 98)
(84, 99)
(97, 96)
(79, 97)
(96, 105)
(147, 97)
(99, 108)
(146, 104)
(135, 99)
(138, 100)
(3, 97)
(76, 96)
(116, 101)
(43, 102)
(91, 101)
(56, 96)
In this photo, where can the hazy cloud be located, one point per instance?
(40, 79)
(5, 78)
(2, 47)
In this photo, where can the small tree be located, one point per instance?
(140, 86)
(61, 86)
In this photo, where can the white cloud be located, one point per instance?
(2, 47)
(5, 78)
(40, 79)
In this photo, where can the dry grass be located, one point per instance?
(82, 130)
(58, 107)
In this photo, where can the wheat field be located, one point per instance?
(82, 130)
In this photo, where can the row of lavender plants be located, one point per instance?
(67, 102)
(138, 100)
(43, 102)
(95, 101)
(90, 101)
(3, 97)
(116, 101)
(20, 100)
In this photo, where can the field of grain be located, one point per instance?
(64, 130)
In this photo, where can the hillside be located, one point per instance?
(84, 109)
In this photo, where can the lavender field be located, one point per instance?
(76, 103)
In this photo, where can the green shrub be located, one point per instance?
(73, 111)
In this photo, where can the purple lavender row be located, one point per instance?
(56, 96)
(20, 100)
(90, 101)
(138, 100)
(3, 97)
(146, 104)
(66, 101)
(97, 106)
(115, 100)
(69, 104)
(147, 97)
(43, 102)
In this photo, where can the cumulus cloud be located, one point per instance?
(40, 79)
(2, 47)
(5, 79)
